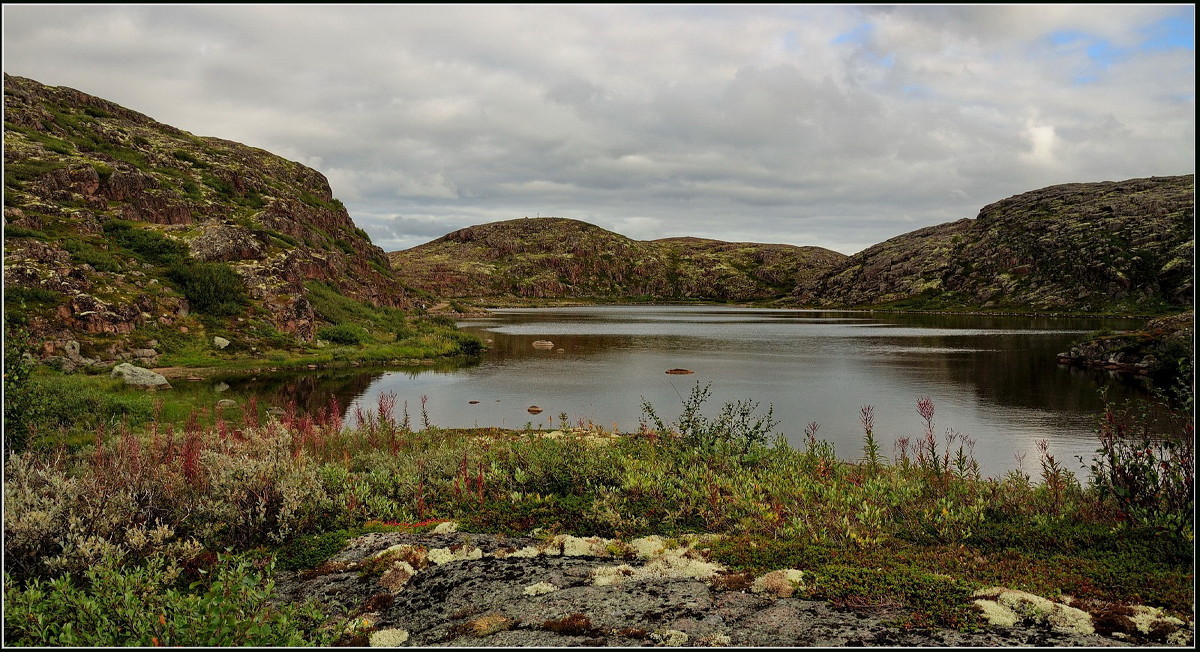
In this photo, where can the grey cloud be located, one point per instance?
(720, 121)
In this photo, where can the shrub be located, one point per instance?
(348, 334)
(124, 605)
(149, 244)
(735, 427)
(468, 343)
(22, 399)
(88, 254)
(1150, 474)
(211, 288)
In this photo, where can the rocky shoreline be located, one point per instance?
(455, 589)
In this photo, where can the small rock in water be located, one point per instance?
(533, 409)
(472, 402)
(543, 344)
(680, 371)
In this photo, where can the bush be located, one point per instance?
(348, 334)
(468, 343)
(128, 605)
(22, 400)
(211, 288)
(1150, 475)
(735, 428)
(151, 245)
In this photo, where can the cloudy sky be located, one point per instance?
(838, 126)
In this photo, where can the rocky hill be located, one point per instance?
(1121, 246)
(122, 233)
(554, 257)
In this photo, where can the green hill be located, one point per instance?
(1123, 246)
(126, 238)
(554, 257)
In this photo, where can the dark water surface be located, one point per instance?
(994, 379)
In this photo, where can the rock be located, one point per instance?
(475, 590)
(680, 371)
(533, 409)
(220, 342)
(227, 403)
(543, 344)
(220, 387)
(140, 377)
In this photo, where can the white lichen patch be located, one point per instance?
(610, 575)
(677, 563)
(669, 638)
(449, 527)
(541, 588)
(714, 639)
(388, 638)
(1146, 618)
(682, 563)
(780, 583)
(997, 614)
(527, 551)
(441, 556)
(648, 547)
(578, 547)
(1025, 606)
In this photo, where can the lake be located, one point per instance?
(992, 378)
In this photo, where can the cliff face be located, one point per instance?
(116, 225)
(553, 257)
(1120, 246)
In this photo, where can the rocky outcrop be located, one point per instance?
(456, 589)
(93, 191)
(1110, 246)
(1164, 350)
(554, 257)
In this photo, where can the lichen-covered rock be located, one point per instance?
(140, 377)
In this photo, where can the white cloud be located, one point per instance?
(831, 125)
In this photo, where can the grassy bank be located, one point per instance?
(193, 520)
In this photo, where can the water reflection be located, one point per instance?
(992, 378)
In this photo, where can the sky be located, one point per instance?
(837, 126)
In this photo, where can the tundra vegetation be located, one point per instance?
(169, 532)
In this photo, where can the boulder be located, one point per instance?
(140, 377)
(220, 342)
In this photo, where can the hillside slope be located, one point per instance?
(1123, 246)
(554, 257)
(123, 234)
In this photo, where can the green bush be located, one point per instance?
(348, 334)
(211, 288)
(468, 343)
(21, 398)
(100, 260)
(149, 244)
(126, 605)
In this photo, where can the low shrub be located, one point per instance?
(116, 604)
(348, 334)
(210, 288)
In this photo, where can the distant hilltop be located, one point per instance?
(555, 257)
(1105, 247)
(1125, 246)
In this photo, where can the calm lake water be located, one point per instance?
(994, 379)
